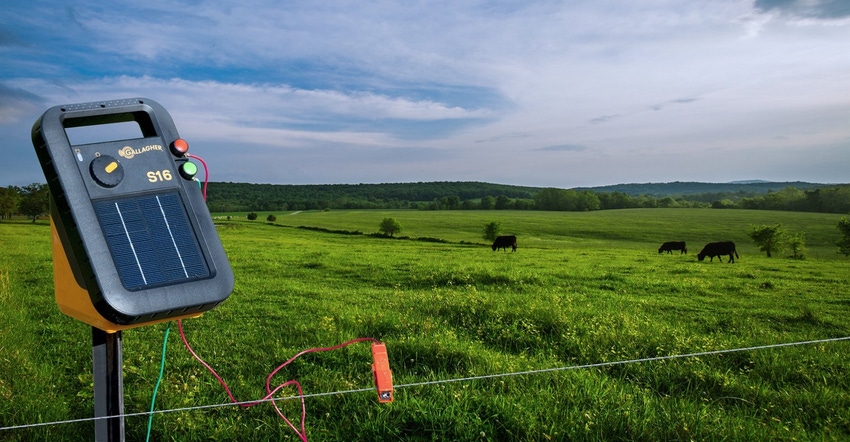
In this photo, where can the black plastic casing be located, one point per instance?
(75, 190)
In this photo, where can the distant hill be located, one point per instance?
(427, 191)
(224, 197)
(421, 191)
(748, 181)
(682, 188)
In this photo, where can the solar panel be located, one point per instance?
(151, 241)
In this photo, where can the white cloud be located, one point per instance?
(606, 83)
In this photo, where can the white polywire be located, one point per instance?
(443, 381)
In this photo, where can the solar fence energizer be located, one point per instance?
(134, 243)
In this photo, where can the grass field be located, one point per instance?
(583, 288)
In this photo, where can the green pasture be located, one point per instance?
(466, 329)
(609, 229)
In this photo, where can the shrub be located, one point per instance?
(389, 227)
(723, 204)
(252, 216)
(844, 243)
(797, 244)
(769, 239)
(492, 230)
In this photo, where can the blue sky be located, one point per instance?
(538, 93)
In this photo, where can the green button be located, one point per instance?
(188, 170)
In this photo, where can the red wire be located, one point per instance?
(303, 352)
(270, 392)
(206, 172)
(301, 434)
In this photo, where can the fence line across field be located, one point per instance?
(444, 381)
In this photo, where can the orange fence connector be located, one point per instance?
(383, 375)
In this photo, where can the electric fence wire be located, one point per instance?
(443, 381)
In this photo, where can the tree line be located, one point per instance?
(235, 197)
(33, 200)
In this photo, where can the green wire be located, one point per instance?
(158, 381)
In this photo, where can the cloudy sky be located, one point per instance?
(538, 93)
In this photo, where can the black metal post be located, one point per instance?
(108, 386)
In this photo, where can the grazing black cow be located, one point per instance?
(503, 242)
(719, 249)
(669, 246)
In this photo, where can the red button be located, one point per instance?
(179, 147)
